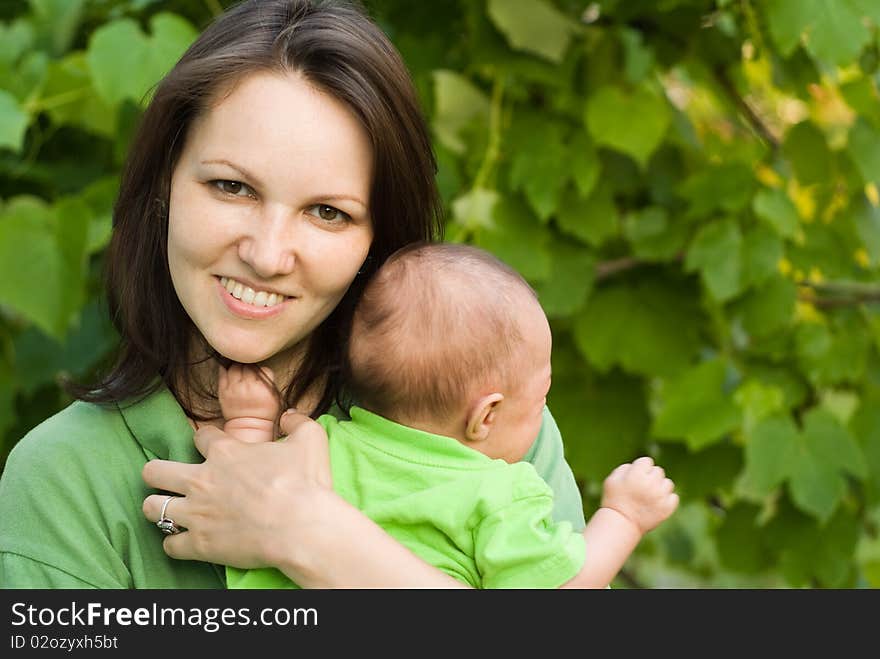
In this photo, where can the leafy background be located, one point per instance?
(690, 185)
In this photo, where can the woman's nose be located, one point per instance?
(268, 246)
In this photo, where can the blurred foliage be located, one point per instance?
(690, 185)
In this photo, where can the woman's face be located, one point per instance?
(268, 216)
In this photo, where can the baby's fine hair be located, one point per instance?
(436, 322)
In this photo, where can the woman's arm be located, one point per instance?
(273, 505)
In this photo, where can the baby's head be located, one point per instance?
(449, 339)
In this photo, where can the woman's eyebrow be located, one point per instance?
(241, 170)
(317, 199)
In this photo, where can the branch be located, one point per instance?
(607, 269)
(751, 117)
(835, 294)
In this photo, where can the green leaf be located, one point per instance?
(826, 451)
(457, 102)
(829, 358)
(534, 26)
(633, 123)
(474, 209)
(654, 235)
(762, 251)
(72, 220)
(593, 219)
(810, 553)
(716, 253)
(71, 98)
(16, 38)
(816, 488)
(171, 36)
(832, 30)
(727, 188)
(585, 164)
(758, 401)
(604, 420)
(7, 407)
(777, 210)
(866, 218)
(741, 545)
(862, 96)
(648, 328)
(702, 474)
(59, 19)
(517, 238)
(865, 426)
(827, 438)
(13, 122)
(841, 404)
(769, 307)
(539, 165)
(39, 360)
(864, 147)
(572, 271)
(696, 408)
(31, 266)
(638, 58)
(116, 56)
(808, 153)
(770, 453)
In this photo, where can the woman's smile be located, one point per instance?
(244, 301)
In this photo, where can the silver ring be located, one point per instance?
(166, 524)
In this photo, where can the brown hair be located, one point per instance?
(435, 322)
(336, 47)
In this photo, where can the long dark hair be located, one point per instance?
(335, 46)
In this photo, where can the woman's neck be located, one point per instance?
(200, 386)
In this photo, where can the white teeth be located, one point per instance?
(249, 295)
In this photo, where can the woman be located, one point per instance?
(281, 160)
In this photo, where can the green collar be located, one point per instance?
(415, 445)
(160, 426)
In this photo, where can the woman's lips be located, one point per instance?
(245, 310)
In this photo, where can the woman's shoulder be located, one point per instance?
(79, 426)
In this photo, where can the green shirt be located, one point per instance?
(483, 521)
(71, 497)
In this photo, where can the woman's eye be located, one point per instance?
(234, 188)
(328, 213)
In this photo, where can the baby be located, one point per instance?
(449, 363)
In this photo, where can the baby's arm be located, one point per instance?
(249, 404)
(636, 498)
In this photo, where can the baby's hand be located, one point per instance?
(243, 393)
(640, 492)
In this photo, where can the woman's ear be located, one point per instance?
(482, 416)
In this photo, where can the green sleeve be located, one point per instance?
(548, 458)
(522, 547)
(23, 572)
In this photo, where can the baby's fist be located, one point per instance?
(640, 492)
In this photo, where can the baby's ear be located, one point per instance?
(482, 417)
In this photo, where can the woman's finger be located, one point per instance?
(169, 475)
(206, 436)
(175, 510)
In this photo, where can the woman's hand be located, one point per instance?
(247, 505)
(272, 505)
